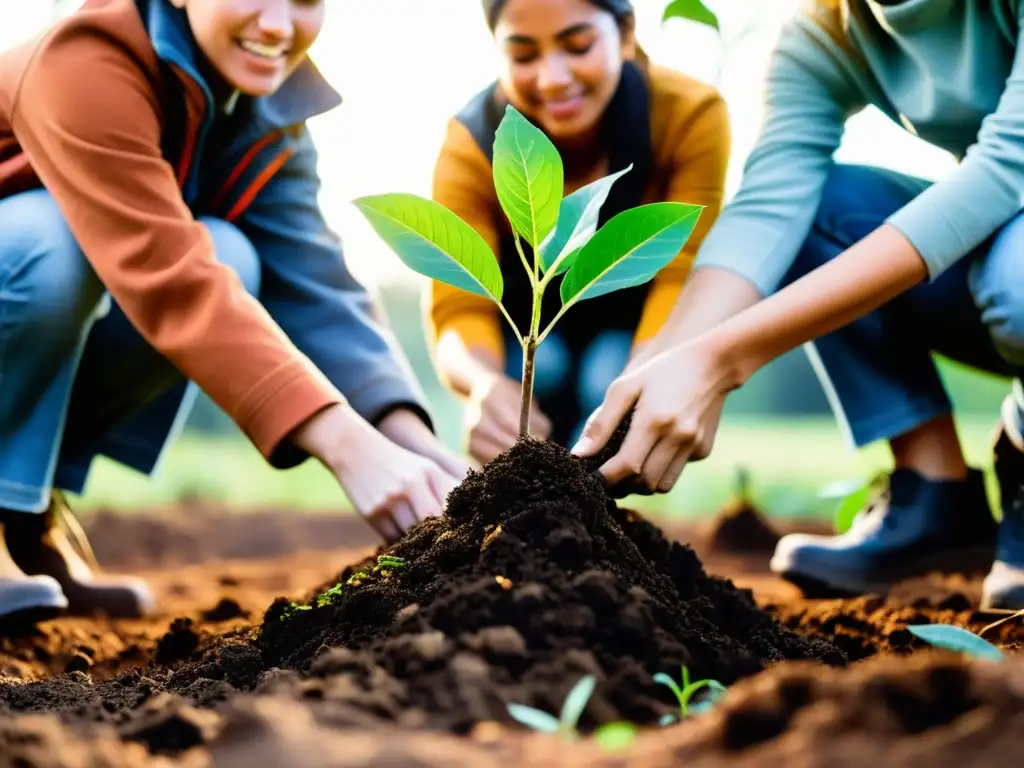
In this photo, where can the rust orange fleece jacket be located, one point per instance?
(83, 113)
(690, 145)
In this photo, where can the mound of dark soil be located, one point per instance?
(740, 528)
(532, 579)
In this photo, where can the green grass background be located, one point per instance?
(789, 462)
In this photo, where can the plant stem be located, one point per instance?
(529, 351)
(524, 414)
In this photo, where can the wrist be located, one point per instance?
(402, 422)
(730, 362)
(329, 434)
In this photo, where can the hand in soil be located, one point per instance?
(391, 487)
(676, 399)
(492, 417)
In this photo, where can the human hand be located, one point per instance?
(405, 428)
(676, 397)
(492, 417)
(391, 487)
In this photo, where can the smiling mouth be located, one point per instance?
(264, 51)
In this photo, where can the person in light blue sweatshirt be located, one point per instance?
(877, 269)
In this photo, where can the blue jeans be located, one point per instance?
(76, 379)
(878, 371)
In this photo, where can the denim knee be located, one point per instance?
(47, 286)
(233, 249)
(997, 284)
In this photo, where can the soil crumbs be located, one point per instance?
(523, 587)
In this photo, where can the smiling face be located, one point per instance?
(562, 61)
(254, 45)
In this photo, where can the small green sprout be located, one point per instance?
(685, 694)
(956, 639)
(356, 579)
(388, 563)
(328, 597)
(556, 237)
(292, 608)
(572, 709)
(611, 737)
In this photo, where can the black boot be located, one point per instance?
(39, 545)
(1004, 586)
(916, 526)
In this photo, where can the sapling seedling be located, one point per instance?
(561, 234)
(612, 737)
(685, 694)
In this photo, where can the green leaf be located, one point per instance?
(528, 177)
(956, 639)
(849, 508)
(715, 691)
(577, 223)
(576, 702)
(629, 250)
(691, 10)
(615, 737)
(433, 241)
(533, 718)
(667, 681)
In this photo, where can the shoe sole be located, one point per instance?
(31, 611)
(840, 585)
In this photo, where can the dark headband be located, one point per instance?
(618, 8)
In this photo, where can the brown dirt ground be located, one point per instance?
(221, 570)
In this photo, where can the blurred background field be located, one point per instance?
(403, 67)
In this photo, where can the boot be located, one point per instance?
(26, 599)
(39, 544)
(1003, 589)
(915, 526)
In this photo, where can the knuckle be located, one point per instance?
(683, 429)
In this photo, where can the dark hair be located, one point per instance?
(620, 9)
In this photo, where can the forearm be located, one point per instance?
(710, 297)
(871, 273)
(464, 367)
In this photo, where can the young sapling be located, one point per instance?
(561, 234)
(685, 694)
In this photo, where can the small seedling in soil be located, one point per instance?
(356, 579)
(328, 597)
(957, 639)
(611, 736)
(561, 235)
(386, 564)
(294, 608)
(685, 694)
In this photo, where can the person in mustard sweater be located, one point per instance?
(159, 231)
(879, 270)
(573, 68)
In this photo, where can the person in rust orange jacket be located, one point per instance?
(573, 68)
(159, 231)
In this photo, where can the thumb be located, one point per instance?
(621, 397)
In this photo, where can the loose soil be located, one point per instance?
(512, 597)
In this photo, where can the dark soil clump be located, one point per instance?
(740, 528)
(532, 579)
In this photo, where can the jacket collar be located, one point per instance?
(304, 95)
